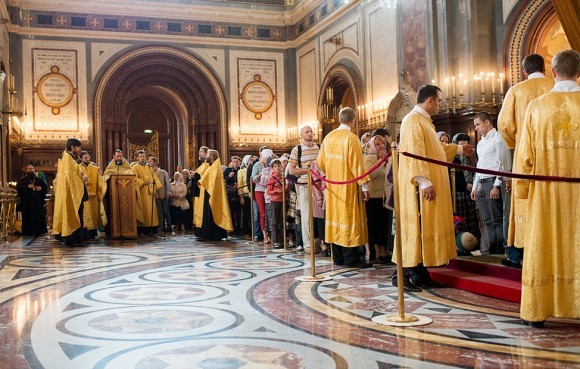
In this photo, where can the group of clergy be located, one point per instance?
(80, 189)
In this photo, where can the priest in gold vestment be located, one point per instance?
(550, 146)
(340, 157)
(198, 191)
(217, 220)
(510, 124)
(93, 213)
(119, 165)
(147, 185)
(70, 193)
(427, 239)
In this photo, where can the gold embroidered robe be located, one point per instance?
(69, 191)
(340, 157)
(93, 212)
(125, 168)
(198, 201)
(551, 146)
(510, 124)
(430, 238)
(148, 206)
(213, 182)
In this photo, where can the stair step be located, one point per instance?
(504, 289)
(493, 270)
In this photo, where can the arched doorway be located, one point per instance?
(536, 29)
(164, 89)
(346, 89)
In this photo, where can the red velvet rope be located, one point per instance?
(375, 167)
(493, 172)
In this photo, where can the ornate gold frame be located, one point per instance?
(160, 50)
(517, 39)
(258, 82)
(55, 73)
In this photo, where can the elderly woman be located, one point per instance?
(378, 217)
(177, 193)
(463, 186)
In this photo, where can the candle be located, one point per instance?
(453, 84)
(433, 82)
(501, 83)
(482, 85)
(492, 83)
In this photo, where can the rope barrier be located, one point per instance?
(493, 172)
(356, 179)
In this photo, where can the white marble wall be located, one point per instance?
(366, 40)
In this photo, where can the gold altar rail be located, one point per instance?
(8, 202)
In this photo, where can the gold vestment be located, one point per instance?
(68, 198)
(510, 124)
(213, 182)
(428, 238)
(340, 157)
(550, 145)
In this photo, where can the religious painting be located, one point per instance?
(551, 40)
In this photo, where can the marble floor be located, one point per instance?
(181, 303)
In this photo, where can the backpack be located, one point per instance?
(292, 178)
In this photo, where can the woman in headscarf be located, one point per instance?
(244, 194)
(378, 217)
(463, 185)
(443, 137)
(177, 195)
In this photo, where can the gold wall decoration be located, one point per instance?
(152, 148)
(518, 37)
(51, 81)
(257, 96)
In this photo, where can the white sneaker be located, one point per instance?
(300, 248)
(476, 253)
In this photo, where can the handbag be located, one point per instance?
(184, 204)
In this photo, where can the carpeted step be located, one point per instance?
(484, 268)
(481, 278)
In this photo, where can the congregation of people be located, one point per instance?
(264, 196)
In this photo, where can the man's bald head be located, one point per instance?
(306, 134)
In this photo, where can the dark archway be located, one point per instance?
(164, 89)
(347, 86)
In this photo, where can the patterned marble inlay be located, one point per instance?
(161, 305)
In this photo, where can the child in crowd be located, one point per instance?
(274, 190)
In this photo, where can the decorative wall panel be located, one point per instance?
(54, 89)
(257, 91)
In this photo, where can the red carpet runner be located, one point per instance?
(481, 278)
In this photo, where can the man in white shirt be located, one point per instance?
(301, 158)
(487, 188)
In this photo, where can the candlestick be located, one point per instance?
(453, 85)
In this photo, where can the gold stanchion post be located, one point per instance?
(313, 277)
(453, 190)
(251, 184)
(284, 235)
(399, 319)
